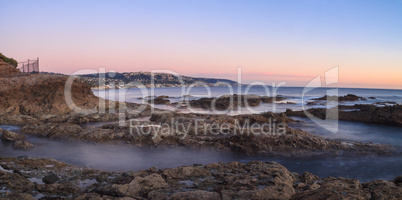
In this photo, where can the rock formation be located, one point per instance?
(29, 178)
(391, 115)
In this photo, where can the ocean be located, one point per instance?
(128, 157)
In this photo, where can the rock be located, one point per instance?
(232, 102)
(280, 190)
(398, 180)
(348, 97)
(308, 178)
(381, 189)
(196, 195)
(44, 94)
(7, 70)
(40, 94)
(186, 172)
(22, 144)
(50, 179)
(390, 115)
(11, 136)
(160, 100)
(234, 180)
(141, 186)
(334, 188)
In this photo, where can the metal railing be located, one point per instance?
(29, 66)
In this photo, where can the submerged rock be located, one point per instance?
(11, 136)
(22, 144)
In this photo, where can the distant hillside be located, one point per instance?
(160, 79)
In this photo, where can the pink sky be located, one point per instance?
(272, 41)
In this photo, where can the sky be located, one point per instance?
(270, 41)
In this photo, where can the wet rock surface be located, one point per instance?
(324, 99)
(10, 136)
(255, 134)
(22, 144)
(390, 115)
(21, 178)
(348, 97)
(232, 102)
(159, 100)
(19, 140)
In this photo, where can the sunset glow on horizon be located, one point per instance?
(271, 41)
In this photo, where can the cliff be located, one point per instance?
(39, 94)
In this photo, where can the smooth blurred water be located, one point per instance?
(353, 131)
(293, 95)
(126, 157)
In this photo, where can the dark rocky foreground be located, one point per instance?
(29, 178)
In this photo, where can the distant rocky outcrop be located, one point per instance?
(159, 100)
(348, 97)
(390, 115)
(146, 78)
(231, 102)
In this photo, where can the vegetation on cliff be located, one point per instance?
(8, 60)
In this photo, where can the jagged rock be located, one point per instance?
(234, 180)
(334, 188)
(231, 102)
(348, 97)
(195, 195)
(398, 181)
(160, 100)
(186, 172)
(50, 178)
(22, 144)
(391, 115)
(11, 136)
(381, 189)
(141, 186)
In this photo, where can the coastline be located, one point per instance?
(56, 120)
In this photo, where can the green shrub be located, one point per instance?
(10, 61)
